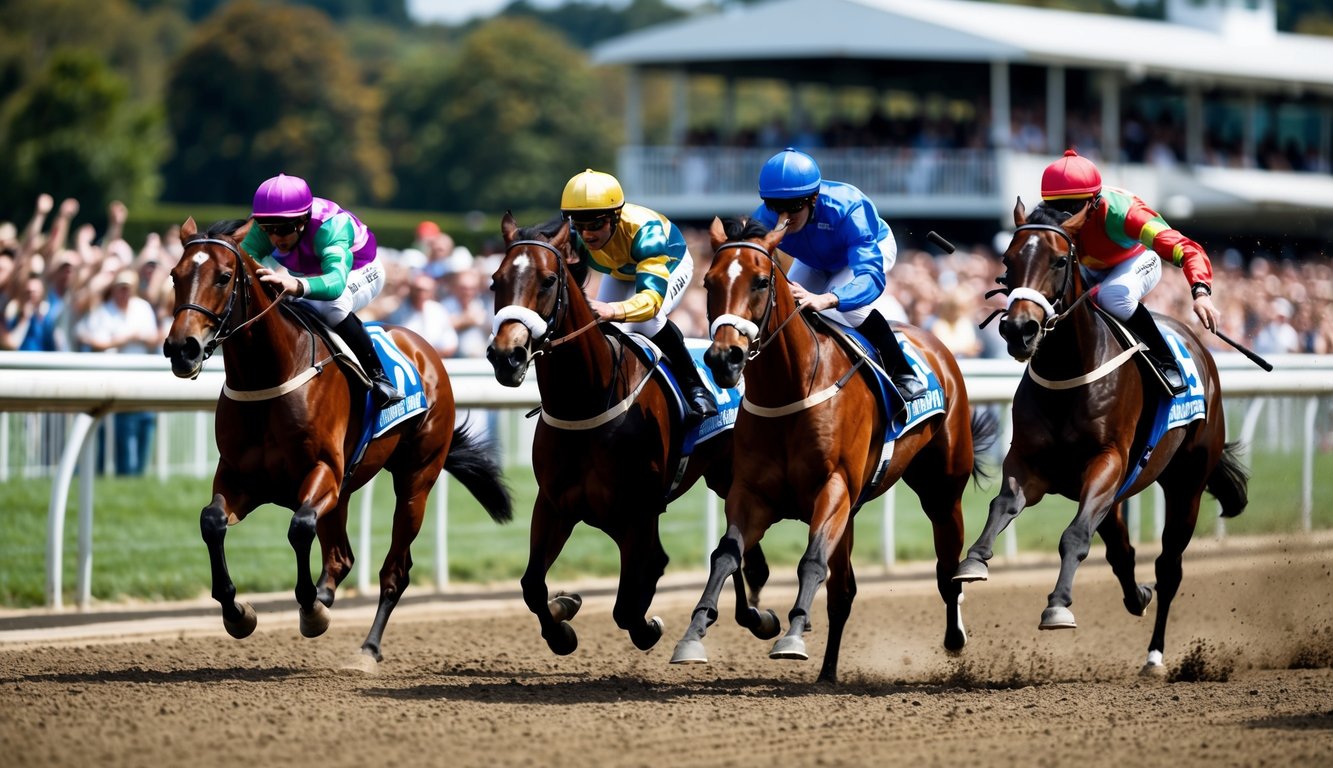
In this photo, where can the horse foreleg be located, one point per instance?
(336, 549)
(301, 535)
(763, 624)
(1003, 509)
(238, 617)
(1120, 554)
(1096, 498)
(724, 562)
(841, 592)
(642, 563)
(550, 531)
(829, 522)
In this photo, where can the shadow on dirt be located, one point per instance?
(140, 675)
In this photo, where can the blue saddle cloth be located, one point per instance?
(405, 376)
(1172, 411)
(905, 414)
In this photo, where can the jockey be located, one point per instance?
(1121, 246)
(842, 252)
(648, 265)
(323, 255)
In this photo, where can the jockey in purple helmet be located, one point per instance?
(323, 255)
(842, 252)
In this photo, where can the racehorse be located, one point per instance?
(810, 441)
(1085, 417)
(288, 422)
(605, 449)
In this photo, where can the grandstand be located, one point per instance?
(1215, 117)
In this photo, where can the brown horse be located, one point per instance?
(1085, 416)
(810, 442)
(287, 422)
(605, 451)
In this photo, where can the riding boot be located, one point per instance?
(878, 331)
(382, 391)
(700, 400)
(1143, 326)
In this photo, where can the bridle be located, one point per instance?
(1051, 313)
(747, 328)
(540, 328)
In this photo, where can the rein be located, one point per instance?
(234, 288)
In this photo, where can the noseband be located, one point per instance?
(233, 289)
(747, 328)
(1022, 293)
(540, 328)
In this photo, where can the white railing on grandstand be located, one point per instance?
(87, 387)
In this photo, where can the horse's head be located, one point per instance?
(1042, 275)
(532, 293)
(206, 282)
(742, 291)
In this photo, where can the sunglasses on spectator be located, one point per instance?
(591, 225)
(786, 205)
(280, 228)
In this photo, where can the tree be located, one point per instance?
(502, 123)
(73, 132)
(268, 89)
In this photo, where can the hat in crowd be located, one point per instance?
(126, 277)
(427, 229)
(1282, 307)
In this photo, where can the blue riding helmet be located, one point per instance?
(789, 174)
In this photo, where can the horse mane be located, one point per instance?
(743, 229)
(545, 232)
(223, 227)
(1046, 215)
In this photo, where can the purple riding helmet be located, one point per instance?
(283, 197)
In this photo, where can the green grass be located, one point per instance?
(146, 542)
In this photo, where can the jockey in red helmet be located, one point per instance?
(323, 255)
(1121, 246)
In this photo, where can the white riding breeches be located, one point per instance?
(818, 281)
(612, 290)
(363, 285)
(1119, 290)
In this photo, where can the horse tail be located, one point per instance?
(471, 461)
(985, 431)
(1229, 482)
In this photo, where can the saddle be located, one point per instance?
(342, 354)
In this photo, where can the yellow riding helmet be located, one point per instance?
(592, 191)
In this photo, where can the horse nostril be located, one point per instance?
(735, 357)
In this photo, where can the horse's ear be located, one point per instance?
(188, 229)
(243, 230)
(560, 238)
(1074, 223)
(717, 233)
(1020, 213)
(508, 227)
(774, 236)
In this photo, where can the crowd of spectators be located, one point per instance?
(68, 288)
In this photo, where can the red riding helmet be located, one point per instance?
(1070, 177)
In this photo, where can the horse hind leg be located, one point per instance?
(1120, 555)
(238, 617)
(841, 592)
(642, 563)
(942, 503)
(1182, 512)
(550, 531)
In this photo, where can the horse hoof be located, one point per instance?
(314, 620)
(1057, 617)
(565, 606)
(363, 663)
(955, 639)
(1153, 671)
(1143, 598)
(242, 627)
(971, 570)
(647, 637)
(789, 647)
(769, 625)
(690, 652)
(562, 640)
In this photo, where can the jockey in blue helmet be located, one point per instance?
(842, 252)
(323, 255)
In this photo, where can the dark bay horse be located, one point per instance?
(810, 439)
(603, 453)
(1082, 415)
(287, 422)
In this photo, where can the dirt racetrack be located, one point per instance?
(467, 681)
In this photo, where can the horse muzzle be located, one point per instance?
(726, 363)
(186, 356)
(509, 364)
(1022, 335)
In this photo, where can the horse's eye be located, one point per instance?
(549, 282)
(761, 283)
(223, 278)
(1060, 262)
